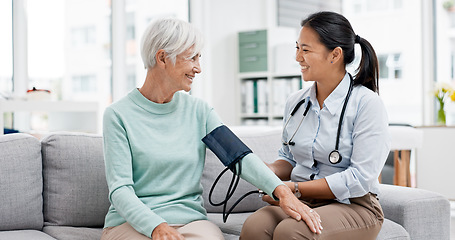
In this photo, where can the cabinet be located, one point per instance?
(267, 74)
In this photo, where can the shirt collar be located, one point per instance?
(335, 100)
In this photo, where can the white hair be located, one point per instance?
(173, 36)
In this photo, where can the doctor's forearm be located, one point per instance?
(316, 189)
(282, 169)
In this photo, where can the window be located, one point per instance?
(84, 84)
(131, 43)
(291, 12)
(68, 46)
(390, 66)
(385, 5)
(130, 27)
(401, 82)
(6, 49)
(45, 42)
(138, 14)
(81, 36)
(356, 6)
(70, 38)
(383, 70)
(395, 65)
(87, 63)
(131, 77)
(452, 64)
(372, 6)
(63, 47)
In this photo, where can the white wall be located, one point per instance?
(220, 21)
(435, 161)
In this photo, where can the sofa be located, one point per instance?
(55, 188)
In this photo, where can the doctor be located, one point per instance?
(335, 139)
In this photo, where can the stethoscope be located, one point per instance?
(334, 156)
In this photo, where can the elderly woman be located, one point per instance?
(154, 153)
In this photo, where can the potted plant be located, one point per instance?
(441, 92)
(449, 5)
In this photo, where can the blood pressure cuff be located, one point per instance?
(226, 146)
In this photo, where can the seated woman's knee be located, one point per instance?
(292, 229)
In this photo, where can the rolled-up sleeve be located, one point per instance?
(285, 154)
(371, 145)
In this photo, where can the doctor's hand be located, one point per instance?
(166, 232)
(294, 208)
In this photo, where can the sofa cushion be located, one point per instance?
(73, 173)
(264, 142)
(392, 230)
(416, 209)
(234, 223)
(73, 233)
(24, 235)
(230, 236)
(21, 183)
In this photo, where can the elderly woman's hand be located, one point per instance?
(166, 232)
(295, 208)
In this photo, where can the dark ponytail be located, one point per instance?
(334, 31)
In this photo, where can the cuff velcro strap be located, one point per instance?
(226, 146)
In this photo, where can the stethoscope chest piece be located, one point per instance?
(334, 157)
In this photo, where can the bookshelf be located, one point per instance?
(267, 74)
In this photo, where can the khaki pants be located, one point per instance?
(197, 230)
(362, 219)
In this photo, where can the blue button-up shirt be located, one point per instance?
(364, 140)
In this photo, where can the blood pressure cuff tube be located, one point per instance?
(226, 146)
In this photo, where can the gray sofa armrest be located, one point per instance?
(424, 214)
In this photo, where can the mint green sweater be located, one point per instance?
(154, 159)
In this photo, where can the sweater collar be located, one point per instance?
(156, 108)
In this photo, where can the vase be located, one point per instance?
(441, 114)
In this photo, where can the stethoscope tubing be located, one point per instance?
(301, 120)
(340, 122)
(334, 156)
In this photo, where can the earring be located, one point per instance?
(331, 62)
